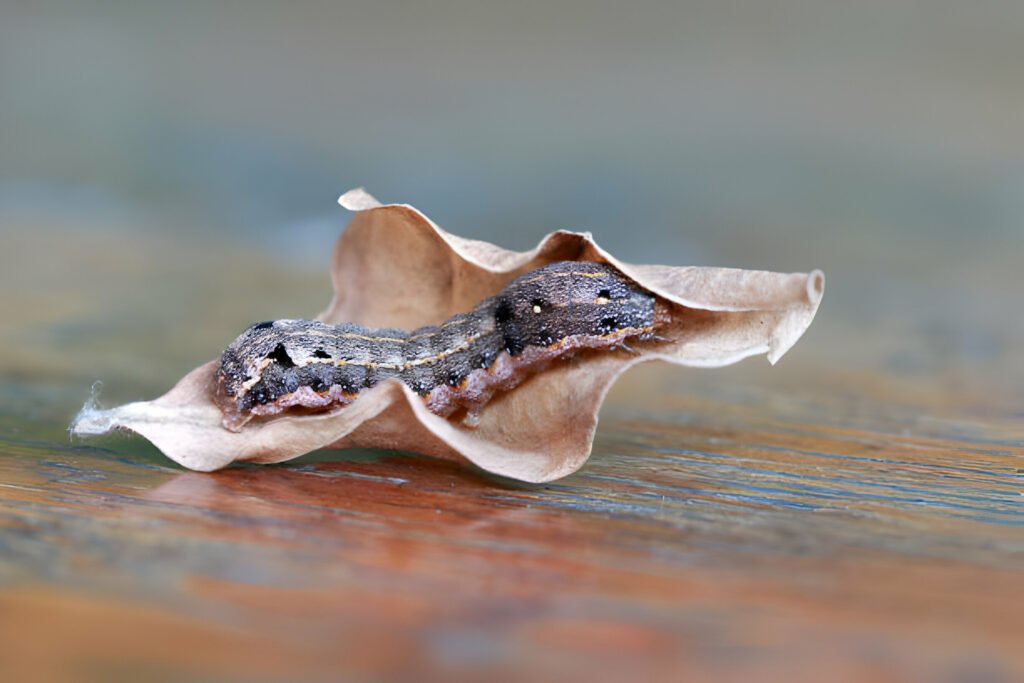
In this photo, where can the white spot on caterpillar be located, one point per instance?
(385, 356)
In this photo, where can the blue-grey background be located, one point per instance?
(174, 162)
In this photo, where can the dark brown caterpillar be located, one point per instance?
(548, 313)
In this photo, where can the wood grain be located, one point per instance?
(822, 520)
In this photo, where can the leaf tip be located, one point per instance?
(815, 286)
(92, 420)
(799, 318)
(358, 199)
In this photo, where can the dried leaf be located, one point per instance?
(393, 267)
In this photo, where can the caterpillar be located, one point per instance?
(551, 313)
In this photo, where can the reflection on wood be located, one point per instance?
(700, 547)
(854, 513)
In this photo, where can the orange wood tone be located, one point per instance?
(729, 543)
(853, 514)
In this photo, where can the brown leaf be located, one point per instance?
(393, 267)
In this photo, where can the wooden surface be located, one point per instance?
(854, 513)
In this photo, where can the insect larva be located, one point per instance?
(546, 314)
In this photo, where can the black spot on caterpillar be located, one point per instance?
(549, 313)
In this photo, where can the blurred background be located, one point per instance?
(158, 159)
(169, 174)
